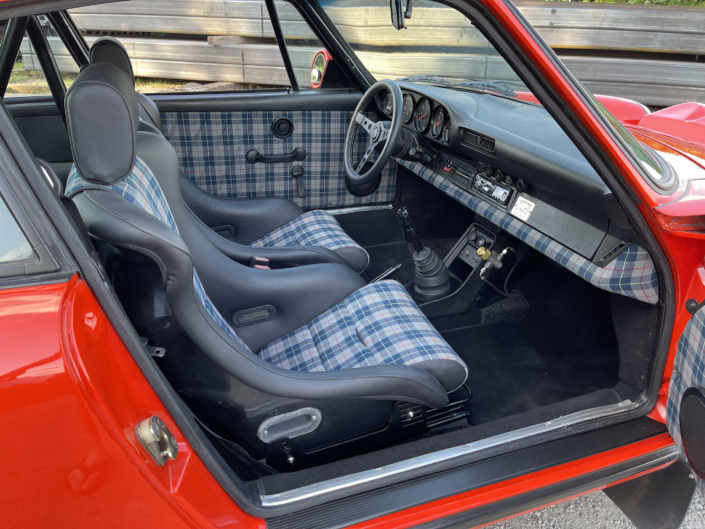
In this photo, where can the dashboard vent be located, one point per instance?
(477, 141)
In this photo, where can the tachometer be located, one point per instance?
(408, 110)
(388, 104)
(437, 122)
(422, 117)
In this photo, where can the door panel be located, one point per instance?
(40, 123)
(212, 136)
(688, 372)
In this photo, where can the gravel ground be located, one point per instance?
(594, 511)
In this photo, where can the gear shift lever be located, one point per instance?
(431, 277)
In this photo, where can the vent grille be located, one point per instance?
(476, 140)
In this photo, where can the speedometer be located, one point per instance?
(408, 109)
(422, 115)
(437, 121)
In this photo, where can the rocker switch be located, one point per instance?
(297, 173)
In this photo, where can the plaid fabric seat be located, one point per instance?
(141, 188)
(632, 273)
(314, 228)
(377, 325)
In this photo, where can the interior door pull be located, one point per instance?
(297, 155)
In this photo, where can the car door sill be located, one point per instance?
(651, 448)
(369, 478)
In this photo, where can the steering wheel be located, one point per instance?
(383, 135)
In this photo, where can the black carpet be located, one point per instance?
(564, 347)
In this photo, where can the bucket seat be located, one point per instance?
(279, 340)
(275, 228)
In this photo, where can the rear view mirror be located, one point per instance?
(399, 14)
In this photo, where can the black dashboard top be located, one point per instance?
(515, 146)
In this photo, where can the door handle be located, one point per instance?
(297, 155)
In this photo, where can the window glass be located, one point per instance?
(27, 77)
(439, 42)
(301, 43)
(228, 47)
(13, 243)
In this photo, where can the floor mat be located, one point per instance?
(564, 347)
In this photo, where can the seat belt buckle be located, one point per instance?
(261, 263)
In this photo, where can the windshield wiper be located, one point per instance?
(490, 86)
(426, 79)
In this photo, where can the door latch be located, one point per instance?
(157, 439)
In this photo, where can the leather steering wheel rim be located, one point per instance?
(378, 133)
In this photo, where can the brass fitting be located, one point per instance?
(484, 253)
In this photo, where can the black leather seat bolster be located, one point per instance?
(299, 294)
(281, 255)
(252, 218)
(113, 219)
(149, 111)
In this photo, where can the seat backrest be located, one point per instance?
(126, 186)
(112, 51)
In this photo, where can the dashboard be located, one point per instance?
(513, 155)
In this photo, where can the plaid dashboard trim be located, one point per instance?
(314, 228)
(631, 274)
(142, 189)
(377, 325)
(688, 371)
(212, 145)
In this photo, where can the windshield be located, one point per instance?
(439, 46)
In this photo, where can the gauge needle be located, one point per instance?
(441, 121)
(421, 117)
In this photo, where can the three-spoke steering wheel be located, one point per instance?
(383, 137)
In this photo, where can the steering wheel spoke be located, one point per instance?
(365, 123)
(366, 156)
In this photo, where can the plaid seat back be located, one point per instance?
(632, 273)
(142, 189)
(377, 325)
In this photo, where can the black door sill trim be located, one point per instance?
(556, 492)
(380, 502)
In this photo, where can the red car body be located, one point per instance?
(71, 394)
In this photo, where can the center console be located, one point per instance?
(465, 262)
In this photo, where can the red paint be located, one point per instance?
(686, 121)
(625, 110)
(71, 396)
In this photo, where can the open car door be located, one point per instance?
(685, 411)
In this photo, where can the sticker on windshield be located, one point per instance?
(523, 208)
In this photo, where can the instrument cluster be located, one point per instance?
(421, 114)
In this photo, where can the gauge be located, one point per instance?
(437, 122)
(489, 171)
(423, 114)
(388, 104)
(408, 109)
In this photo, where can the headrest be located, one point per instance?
(112, 51)
(102, 118)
